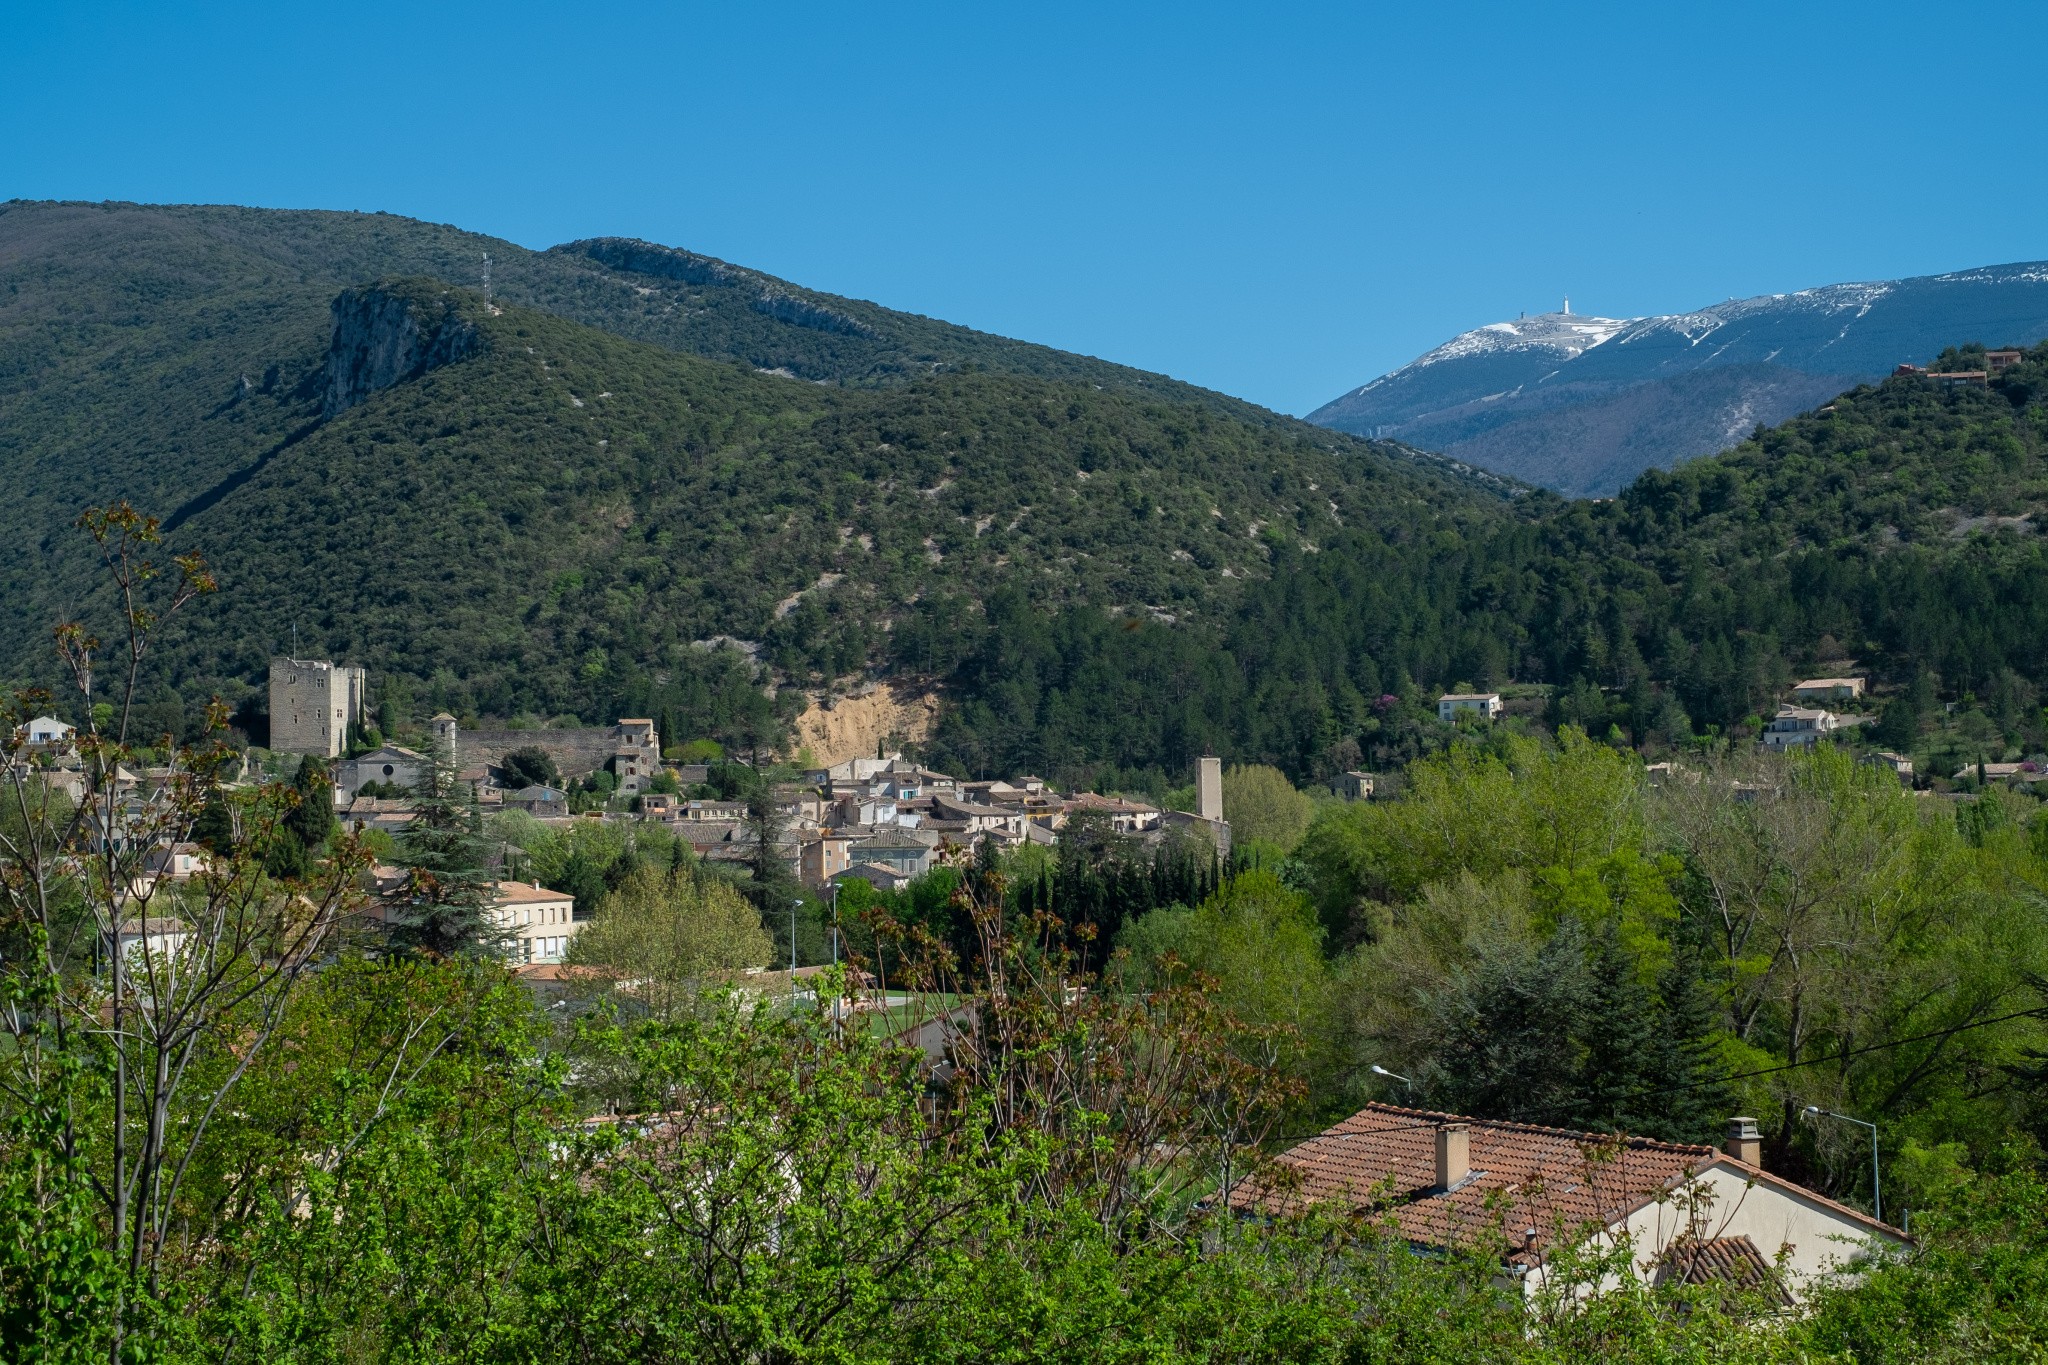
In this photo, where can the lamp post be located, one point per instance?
(1876, 1189)
(1379, 1070)
(794, 906)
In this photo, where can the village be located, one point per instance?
(885, 821)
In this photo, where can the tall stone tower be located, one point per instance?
(312, 704)
(1209, 788)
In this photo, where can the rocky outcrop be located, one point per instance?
(392, 331)
(669, 263)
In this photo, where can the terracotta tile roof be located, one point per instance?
(1721, 1260)
(524, 893)
(1525, 1183)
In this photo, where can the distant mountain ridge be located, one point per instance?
(1582, 404)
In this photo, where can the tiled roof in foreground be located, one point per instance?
(1525, 1183)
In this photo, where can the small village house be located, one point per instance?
(823, 855)
(47, 732)
(542, 802)
(1355, 786)
(878, 875)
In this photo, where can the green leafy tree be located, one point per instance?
(662, 932)
(1263, 806)
(532, 766)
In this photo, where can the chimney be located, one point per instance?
(1744, 1142)
(1209, 788)
(1453, 1154)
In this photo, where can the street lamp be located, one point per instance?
(794, 906)
(835, 924)
(1876, 1190)
(1379, 1070)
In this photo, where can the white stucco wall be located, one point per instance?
(1725, 1200)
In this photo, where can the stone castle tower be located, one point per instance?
(312, 704)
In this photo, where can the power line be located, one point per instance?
(2034, 1013)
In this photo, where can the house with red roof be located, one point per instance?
(1688, 1212)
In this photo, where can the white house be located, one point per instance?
(541, 922)
(1486, 704)
(1798, 727)
(152, 939)
(1688, 1212)
(47, 732)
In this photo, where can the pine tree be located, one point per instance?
(443, 909)
(1621, 1033)
(1691, 1100)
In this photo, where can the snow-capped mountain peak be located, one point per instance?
(1563, 336)
(1584, 404)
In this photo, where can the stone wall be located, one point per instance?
(578, 753)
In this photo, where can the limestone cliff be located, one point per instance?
(392, 331)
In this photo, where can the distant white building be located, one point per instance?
(47, 732)
(1486, 704)
(1828, 689)
(1798, 727)
(153, 939)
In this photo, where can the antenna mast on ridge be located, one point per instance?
(487, 277)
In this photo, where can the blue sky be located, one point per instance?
(1279, 202)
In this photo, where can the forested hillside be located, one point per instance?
(147, 351)
(1897, 526)
(548, 524)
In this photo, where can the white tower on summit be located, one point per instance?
(1567, 305)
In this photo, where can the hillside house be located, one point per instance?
(1125, 816)
(1356, 786)
(900, 850)
(1487, 705)
(1688, 1212)
(1900, 764)
(1998, 362)
(392, 814)
(152, 939)
(47, 733)
(1798, 727)
(823, 855)
(1828, 689)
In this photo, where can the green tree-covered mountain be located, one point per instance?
(530, 512)
(1899, 526)
(547, 499)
